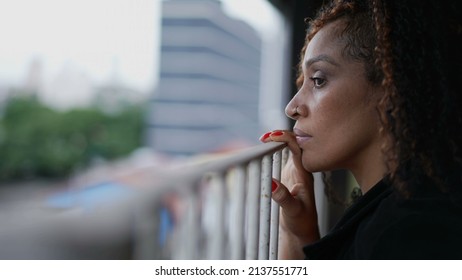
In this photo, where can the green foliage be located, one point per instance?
(37, 141)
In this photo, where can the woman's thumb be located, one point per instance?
(285, 198)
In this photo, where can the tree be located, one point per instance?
(37, 141)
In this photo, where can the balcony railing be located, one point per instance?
(223, 209)
(220, 208)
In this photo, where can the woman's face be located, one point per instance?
(337, 124)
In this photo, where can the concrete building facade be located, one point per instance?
(208, 92)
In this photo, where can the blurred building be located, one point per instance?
(208, 91)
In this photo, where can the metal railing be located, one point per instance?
(220, 208)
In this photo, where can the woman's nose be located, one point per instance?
(292, 109)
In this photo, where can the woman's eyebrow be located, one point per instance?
(321, 57)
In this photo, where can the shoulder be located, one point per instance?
(423, 228)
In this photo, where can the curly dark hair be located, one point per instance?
(411, 48)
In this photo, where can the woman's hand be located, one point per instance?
(298, 221)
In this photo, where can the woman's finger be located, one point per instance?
(288, 137)
(285, 198)
(281, 136)
(298, 210)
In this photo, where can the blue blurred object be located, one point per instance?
(166, 225)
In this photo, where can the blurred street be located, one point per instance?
(18, 193)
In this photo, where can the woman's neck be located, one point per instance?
(369, 169)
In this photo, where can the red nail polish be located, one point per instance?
(277, 133)
(274, 186)
(265, 136)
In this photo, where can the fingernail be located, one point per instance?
(277, 133)
(265, 136)
(274, 186)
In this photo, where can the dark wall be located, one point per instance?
(296, 11)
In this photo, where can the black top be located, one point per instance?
(380, 225)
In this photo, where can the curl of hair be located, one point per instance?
(420, 57)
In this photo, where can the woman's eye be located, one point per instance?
(318, 82)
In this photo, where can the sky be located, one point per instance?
(105, 39)
(96, 36)
(263, 20)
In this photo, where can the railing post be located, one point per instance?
(274, 232)
(194, 225)
(146, 231)
(265, 207)
(238, 211)
(188, 230)
(253, 209)
(217, 242)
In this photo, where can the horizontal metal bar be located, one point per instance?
(169, 180)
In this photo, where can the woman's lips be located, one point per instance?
(301, 136)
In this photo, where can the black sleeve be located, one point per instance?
(420, 237)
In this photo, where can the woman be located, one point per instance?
(378, 95)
